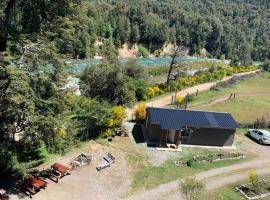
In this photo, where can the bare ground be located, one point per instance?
(86, 183)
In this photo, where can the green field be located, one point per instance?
(251, 102)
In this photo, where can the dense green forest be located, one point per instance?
(237, 29)
(37, 36)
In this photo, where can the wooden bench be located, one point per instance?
(29, 191)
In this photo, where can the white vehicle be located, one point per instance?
(262, 136)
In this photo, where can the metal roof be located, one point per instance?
(176, 119)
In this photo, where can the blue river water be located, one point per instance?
(80, 65)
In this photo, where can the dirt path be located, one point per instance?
(163, 101)
(224, 98)
(210, 179)
(216, 178)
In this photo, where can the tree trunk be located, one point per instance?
(7, 21)
(172, 64)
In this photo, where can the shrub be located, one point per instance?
(190, 97)
(192, 162)
(191, 188)
(266, 66)
(140, 112)
(210, 157)
(179, 100)
(133, 69)
(153, 91)
(140, 89)
(261, 123)
(119, 115)
(144, 52)
(108, 133)
(253, 180)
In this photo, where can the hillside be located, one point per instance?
(238, 30)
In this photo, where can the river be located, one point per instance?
(79, 65)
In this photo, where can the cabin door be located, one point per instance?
(171, 136)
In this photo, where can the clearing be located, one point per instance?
(251, 102)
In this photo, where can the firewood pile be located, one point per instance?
(81, 160)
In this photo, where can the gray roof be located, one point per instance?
(176, 119)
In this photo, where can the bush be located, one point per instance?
(192, 162)
(108, 133)
(133, 69)
(140, 112)
(191, 188)
(153, 91)
(144, 52)
(253, 180)
(210, 157)
(119, 115)
(140, 89)
(266, 66)
(179, 100)
(190, 97)
(261, 123)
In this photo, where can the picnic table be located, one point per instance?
(36, 182)
(61, 169)
(32, 185)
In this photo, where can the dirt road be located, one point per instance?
(216, 178)
(213, 179)
(163, 101)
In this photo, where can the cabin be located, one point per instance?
(173, 126)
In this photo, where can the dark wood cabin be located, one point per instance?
(190, 127)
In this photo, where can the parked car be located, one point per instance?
(262, 136)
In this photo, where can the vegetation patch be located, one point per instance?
(256, 188)
(148, 176)
(249, 193)
(208, 158)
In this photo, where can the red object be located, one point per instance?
(37, 183)
(60, 168)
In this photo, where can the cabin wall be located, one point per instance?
(154, 131)
(210, 137)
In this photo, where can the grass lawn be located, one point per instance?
(228, 192)
(251, 102)
(148, 176)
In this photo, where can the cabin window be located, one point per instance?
(186, 133)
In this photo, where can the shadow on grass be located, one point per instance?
(137, 133)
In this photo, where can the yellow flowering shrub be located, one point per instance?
(108, 133)
(61, 132)
(119, 115)
(254, 181)
(140, 112)
(179, 99)
(153, 91)
(110, 123)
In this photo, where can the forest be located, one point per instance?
(236, 29)
(38, 36)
